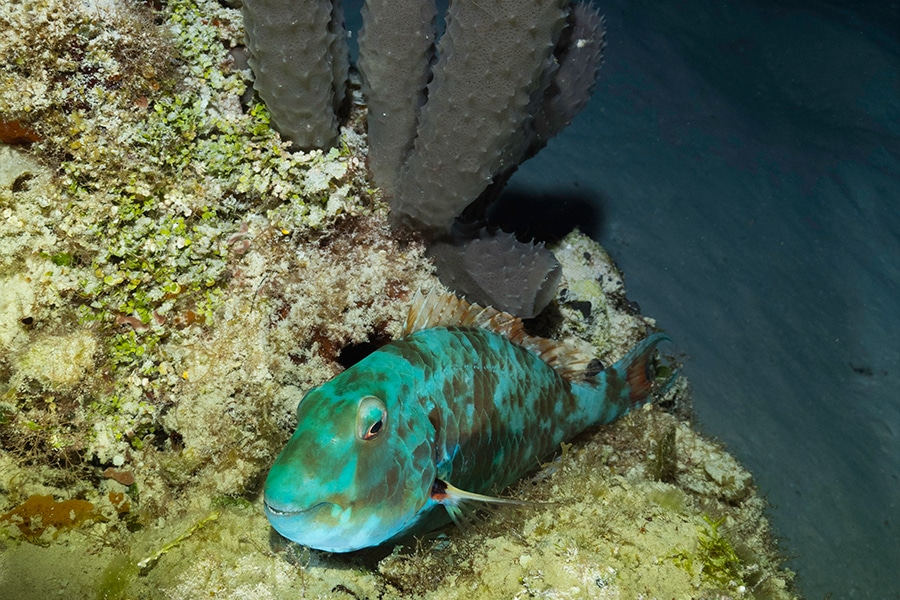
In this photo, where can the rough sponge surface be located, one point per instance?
(580, 54)
(491, 62)
(495, 269)
(291, 53)
(395, 50)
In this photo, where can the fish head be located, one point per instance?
(359, 468)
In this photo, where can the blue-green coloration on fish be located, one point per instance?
(434, 419)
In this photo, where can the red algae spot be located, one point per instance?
(123, 477)
(39, 513)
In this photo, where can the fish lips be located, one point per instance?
(278, 512)
(314, 526)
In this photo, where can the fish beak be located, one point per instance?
(321, 526)
(281, 512)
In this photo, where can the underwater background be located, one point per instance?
(741, 162)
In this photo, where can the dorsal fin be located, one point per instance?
(444, 309)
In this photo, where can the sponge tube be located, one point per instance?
(580, 53)
(495, 269)
(396, 46)
(491, 62)
(299, 58)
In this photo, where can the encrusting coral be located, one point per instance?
(173, 279)
(39, 513)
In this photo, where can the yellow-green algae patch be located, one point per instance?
(173, 278)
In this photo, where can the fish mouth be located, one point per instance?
(292, 512)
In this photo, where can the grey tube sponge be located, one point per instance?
(396, 46)
(580, 53)
(491, 60)
(509, 75)
(340, 56)
(495, 269)
(298, 54)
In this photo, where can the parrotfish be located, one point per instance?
(461, 406)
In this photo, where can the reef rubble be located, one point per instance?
(173, 278)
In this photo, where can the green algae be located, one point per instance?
(721, 564)
(714, 559)
(117, 578)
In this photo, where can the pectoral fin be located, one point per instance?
(455, 501)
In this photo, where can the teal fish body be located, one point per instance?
(441, 416)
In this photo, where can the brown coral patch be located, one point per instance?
(39, 513)
(13, 132)
(120, 502)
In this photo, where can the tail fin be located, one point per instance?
(629, 382)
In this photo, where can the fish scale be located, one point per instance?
(506, 387)
(441, 417)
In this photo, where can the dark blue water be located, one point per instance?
(741, 161)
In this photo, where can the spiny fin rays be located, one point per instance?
(456, 502)
(438, 308)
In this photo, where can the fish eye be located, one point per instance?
(371, 417)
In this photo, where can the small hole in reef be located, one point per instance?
(354, 353)
(21, 183)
